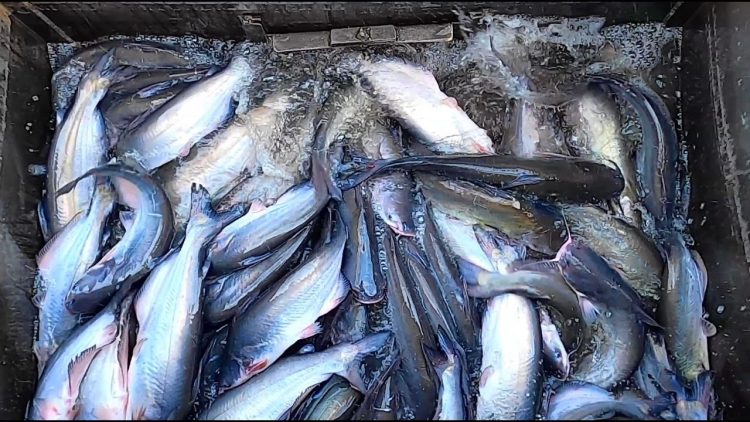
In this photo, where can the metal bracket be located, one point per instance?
(253, 27)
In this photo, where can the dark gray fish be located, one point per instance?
(416, 386)
(335, 400)
(584, 401)
(135, 254)
(681, 310)
(447, 363)
(172, 130)
(57, 391)
(168, 310)
(210, 367)
(153, 78)
(141, 54)
(226, 294)
(79, 145)
(547, 175)
(656, 159)
(273, 393)
(361, 253)
(380, 403)
(265, 329)
(127, 112)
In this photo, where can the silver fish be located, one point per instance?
(57, 391)
(271, 394)
(597, 136)
(553, 348)
(533, 129)
(226, 294)
(260, 334)
(413, 96)
(511, 359)
(133, 256)
(61, 261)
(172, 130)
(168, 311)
(218, 163)
(79, 145)
(104, 390)
(461, 239)
(447, 363)
(681, 310)
(583, 401)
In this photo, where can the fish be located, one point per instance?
(597, 136)
(549, 176)
(624, 247)
(261, 333)
(226, 294)
(411, 95)
(591, 276)
(250, 238)
(128, 112)
(153, 78)
(184, 120)
(510, 384)
(135, 254)
(210, 366)
(272, 393)
(553, 348)
(217, 163)
(103, 392)
(656, 159)
(380, 403)
(57, 391)
(579, 401)
(617, 342)
(360, 259)
(449, 369)
(79, 145)
(532, 129)
(350, 323)
(534, 223)
(168, 311)
(335, 400)
(681, 310)
(60, 262)
(461, 238)
(416, 387)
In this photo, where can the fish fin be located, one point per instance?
(371, 343)
(436, 357)
(523, 180)
(126, 218)
(137, 347)
(647, 319)
(486, 374)
(51, 242)
(709, 329)
(41, 211)
(312, 330)
(78, 367)
(201, 206)
(256, 206)
(702, 388)
(702, 270)
(254, 259)
(589, 311)
(111, 168)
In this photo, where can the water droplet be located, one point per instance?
(720, 309)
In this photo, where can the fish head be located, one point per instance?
(90, 291)
(237, 371)
(556, 354)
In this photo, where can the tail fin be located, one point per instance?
(110, 169)
(363, 347)
(472, 275)
(201, 210)
(448, 353)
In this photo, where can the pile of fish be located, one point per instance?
(412, 268)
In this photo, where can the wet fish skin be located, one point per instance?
(451, 372)
(272, 393)
(360, 259)
(656, 159)
(217, 163)
(129, 111)
(261, 333)
(335, 400)
(79, 145)
(681, 309)
(226, 294)
(103, 393)
(162, 77)
(533, 223)
(192, 114)
(597, 136)
(553, 348)
(132, 257)
(533, 129)
(617, 341)
(549, 176)
(621, 245)
(413, 96)
(168, 311)
(511, 382)
(579, 400)
(60, 262)
(59, 384)
(210, 366)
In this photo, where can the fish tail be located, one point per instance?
(363, 347)
(471, 275)
(701, 390)
(109, 169)
(202, 210)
